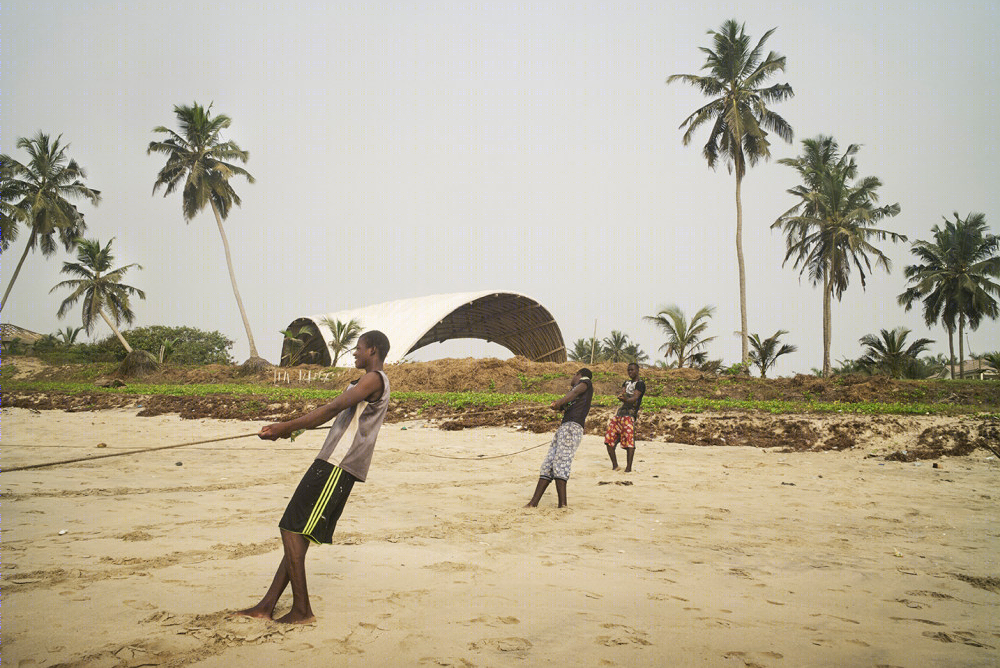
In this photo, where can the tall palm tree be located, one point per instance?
(764, 354)
(889, 354)
(199, 158)
(684, 339)
(740, 118)
(100, 287)
(953, 278)
(614, 346)
(343, 334)
(38, 193)
(832, 226)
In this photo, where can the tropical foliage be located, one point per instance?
(100, 287)
(685, 340)
(342, 335)
(614, 348)
(294, 347)
(38, 193)
(763, 354)
(953, 278)
(889, 355)
(199, 159)
(739, 115)
(832, 226)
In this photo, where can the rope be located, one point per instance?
(230, 438)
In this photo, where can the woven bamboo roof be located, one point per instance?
(517, 322)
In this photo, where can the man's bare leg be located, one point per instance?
(295, 565)
(630, 454)
(614, 459)
(561, 492)
(540, 488)
(265, 608)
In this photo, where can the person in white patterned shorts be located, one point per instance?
(575, 406)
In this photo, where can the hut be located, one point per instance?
(517, 322)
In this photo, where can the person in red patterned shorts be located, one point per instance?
(621, 428)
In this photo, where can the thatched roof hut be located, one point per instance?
(515, 321)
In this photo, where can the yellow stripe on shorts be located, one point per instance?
(324, 498)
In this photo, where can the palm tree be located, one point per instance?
(100, 287)
(889, 354)
(992, 361)
(200, 159)
(831, 227)
(765, 353)
(740, 118)
(613, 347)
(38, 194)
(343, 334)
(683, 339)
(580, 352)
(67, 335)
(953, 278)
(633, 353)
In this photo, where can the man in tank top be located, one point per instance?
(318, 501)
(575, 406)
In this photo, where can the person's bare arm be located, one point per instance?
(370, 383)
(577, 390)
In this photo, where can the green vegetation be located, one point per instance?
(459, 400)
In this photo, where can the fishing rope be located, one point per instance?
(228, 438)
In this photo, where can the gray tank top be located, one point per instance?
(358, 457)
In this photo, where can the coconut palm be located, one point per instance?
(889, 354)
(992, 361)
(198, 158)
(343, 334)
(67, 335)
(832, 226)
(613, 347)
(37, 193)
(684, 339)
(100, 287)
(739, 115)
(633, 353)
(580, 352)
(763, 354)
(953, 278)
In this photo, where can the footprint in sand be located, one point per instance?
(511, 644)
(622, 635)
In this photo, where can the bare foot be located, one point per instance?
(294, 617)
(529, 504)
(628, 470)
(615, 468)
(255, 612)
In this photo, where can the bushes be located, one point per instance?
(189, 346)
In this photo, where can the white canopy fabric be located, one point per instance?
(513, 320)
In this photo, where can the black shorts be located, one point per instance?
(318, 501)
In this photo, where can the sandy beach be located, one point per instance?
(704, 556)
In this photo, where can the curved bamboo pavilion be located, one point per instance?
(515, 321)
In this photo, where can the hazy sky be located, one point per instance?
(402, 150)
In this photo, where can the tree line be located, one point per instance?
(830, 233)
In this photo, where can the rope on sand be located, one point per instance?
(229, 438)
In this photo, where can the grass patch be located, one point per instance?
(459, 400)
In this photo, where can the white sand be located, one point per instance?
(712, 557)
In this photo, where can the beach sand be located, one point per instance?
(703, 556)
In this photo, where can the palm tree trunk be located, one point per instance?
(961, 347)
(232, 278)
(745, 359)
(114, 329)
(951, 349)
(17, 269)
(827, 324)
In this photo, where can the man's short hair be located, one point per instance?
(635, 364)
(376, 339)
(586, 373)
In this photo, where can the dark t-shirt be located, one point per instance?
(576, 411)
(631, 408)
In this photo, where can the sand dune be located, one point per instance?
(712, 556)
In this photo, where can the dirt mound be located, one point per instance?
(949, 441)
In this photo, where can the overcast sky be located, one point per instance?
(405, 150)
